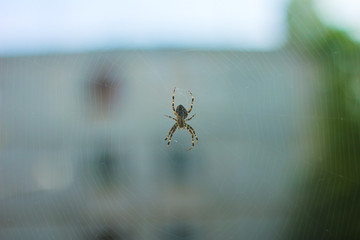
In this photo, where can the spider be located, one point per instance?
(181, 115)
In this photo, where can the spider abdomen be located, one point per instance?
(181, 112)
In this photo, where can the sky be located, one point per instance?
(42, 25)
(341, 14)
(36, 26)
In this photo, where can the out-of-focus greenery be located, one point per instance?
(328, 205)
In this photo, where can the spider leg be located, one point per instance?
(170, 117)
(173, 129)
(168, 144)
(190, 118)
(173, 100)
(197, 139)
(192, 102)
(192, 137)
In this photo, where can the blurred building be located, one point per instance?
(83, 154)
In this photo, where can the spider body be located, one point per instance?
(181, 115)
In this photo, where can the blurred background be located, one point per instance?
(84, 87)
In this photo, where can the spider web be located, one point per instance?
(83, 154)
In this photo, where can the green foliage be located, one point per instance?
(330, 200)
